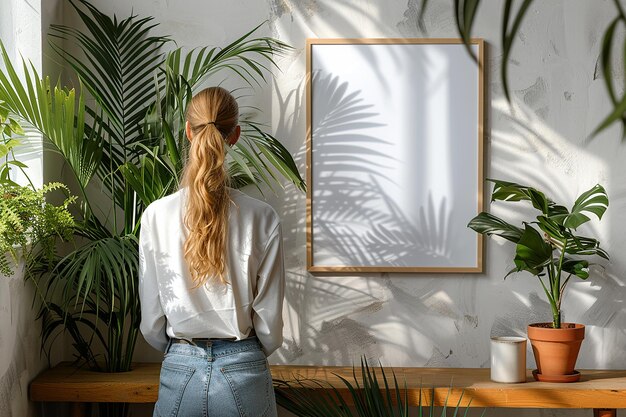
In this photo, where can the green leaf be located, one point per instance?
(580, 245)
(551, 227)
(510, 191)
(275, 153)
(172, 147)
(509, 36)
(532, 253)
(512, 271)
(605, 55)
(616, 114)
(6, 147)
(17, 164)
(619, 104)
(15, 127)
(465, 13)
(557, 213)
(593, 201)
(489, 224)
(577, 267)
(4, 112)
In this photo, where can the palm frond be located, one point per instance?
(95, 285)
(367, 393)
(152, 178)
(510, 27)
(464, 13)
(55, 112)
(258, 157)
(618, 112)
(249, 58)
(274, 152)
(117, 66)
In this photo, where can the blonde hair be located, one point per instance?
(213, 115)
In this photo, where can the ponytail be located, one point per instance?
(212, 115)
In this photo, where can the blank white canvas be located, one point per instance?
(394, 147)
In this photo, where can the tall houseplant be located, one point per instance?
(549, 248)
(130, 145)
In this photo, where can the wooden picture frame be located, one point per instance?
(394, 155)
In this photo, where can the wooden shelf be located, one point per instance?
(597, 388)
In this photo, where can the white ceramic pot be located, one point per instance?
(508, 359)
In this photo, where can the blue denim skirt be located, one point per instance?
(217, 378)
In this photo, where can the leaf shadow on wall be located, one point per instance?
(355, 217)
(327, 314)
(314, 301)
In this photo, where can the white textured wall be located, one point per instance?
(20, 341)
(20, 31)
(442, 320)
(20, 359)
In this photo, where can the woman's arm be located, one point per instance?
(153, 320)
(270, 291)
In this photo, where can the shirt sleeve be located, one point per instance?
(268, 302)
(153, 319)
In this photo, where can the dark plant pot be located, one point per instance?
(556, 350)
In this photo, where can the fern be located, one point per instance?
(29, 224)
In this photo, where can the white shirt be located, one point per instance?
(253, 297)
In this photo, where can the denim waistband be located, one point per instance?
(214, 348)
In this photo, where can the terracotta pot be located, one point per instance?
(556, 350)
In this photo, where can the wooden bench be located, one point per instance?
(603, 391)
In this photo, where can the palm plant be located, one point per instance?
(465, 12)
(368, 394)
(554, 250)
(129, 142)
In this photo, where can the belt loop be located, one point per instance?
(169, 344)
(189, 341)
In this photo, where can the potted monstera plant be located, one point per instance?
(549, 248)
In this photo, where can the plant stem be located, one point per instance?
(552, 296)
(563, 287)
(556, 319)
(557, 289)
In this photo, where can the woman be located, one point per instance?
(212, 279)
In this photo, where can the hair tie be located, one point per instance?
(210, 123)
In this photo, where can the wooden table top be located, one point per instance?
(596, 389)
